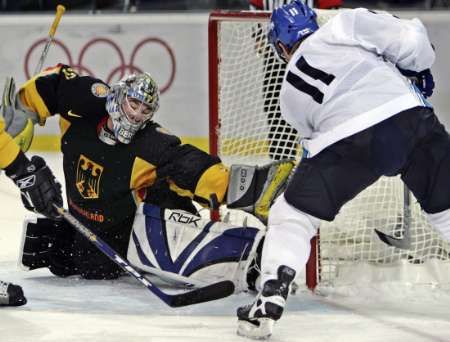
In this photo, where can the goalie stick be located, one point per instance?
(405, 241)
(208, 293)
(60, 9)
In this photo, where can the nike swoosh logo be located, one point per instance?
(70, 113)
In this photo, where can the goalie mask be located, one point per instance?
(131, 103)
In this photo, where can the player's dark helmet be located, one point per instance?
(140, 87)
(289, 24)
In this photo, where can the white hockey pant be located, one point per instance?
(288, 239)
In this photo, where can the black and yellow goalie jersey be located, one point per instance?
(104, 182)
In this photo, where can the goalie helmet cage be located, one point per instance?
(245, 127)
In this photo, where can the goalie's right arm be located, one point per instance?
(203, 178)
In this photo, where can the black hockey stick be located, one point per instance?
(405, 241)
(214, 291)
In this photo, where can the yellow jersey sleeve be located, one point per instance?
(8, 148)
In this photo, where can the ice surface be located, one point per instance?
(73, 309)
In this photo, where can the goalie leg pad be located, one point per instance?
(47, 243)
(38, 238)
(182, 248)
(254, 189)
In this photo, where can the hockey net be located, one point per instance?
(245, 127)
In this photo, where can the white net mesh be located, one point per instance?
(251, 131)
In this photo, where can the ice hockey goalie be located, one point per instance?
(176, 246)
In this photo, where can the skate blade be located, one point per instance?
(261, 332)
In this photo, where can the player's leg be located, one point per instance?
(285, 251)
(427, 173)
(11, 295)
(319, 188)
(317, 191)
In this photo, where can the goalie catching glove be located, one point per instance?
(253, 189)
(19, 122)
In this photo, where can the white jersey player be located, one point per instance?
(346, 90)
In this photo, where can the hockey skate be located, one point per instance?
(11, 295)
(257, 320)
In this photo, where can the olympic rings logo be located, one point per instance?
(117, 72)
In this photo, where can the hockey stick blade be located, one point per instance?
(404, 243)
(208, 293)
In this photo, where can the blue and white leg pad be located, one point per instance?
(184, 248)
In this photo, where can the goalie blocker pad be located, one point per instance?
(254, 189)
(185, 249)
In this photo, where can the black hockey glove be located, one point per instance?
(38, 186)
(423, 80)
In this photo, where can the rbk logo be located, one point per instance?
(88, 177)
(26, 182)
(183, 218)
